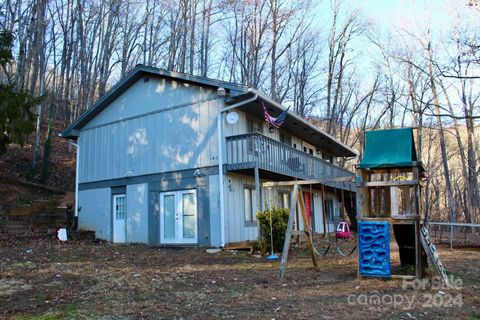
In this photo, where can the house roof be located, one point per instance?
(392, 148)
(237, 92)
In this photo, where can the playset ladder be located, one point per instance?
(433, 255)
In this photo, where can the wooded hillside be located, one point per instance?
(325, 59)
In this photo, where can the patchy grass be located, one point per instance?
(64, 312)
(46, 279)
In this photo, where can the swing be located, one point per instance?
(323, 243)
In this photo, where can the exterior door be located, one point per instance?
(119, 218)
(178, 217)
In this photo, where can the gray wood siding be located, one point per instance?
(157, 126)
(145, 97)
(318, 212)
(214, 211)
(137, 213)
(235, 228)
(96, 212)
(167, 140)
(241, 127)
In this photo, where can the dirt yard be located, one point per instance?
(46, 279)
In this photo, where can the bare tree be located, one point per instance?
(39, 66)
(341, 34)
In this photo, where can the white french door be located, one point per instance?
(119, 218)
(178, 217)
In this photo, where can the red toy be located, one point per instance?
(343, 230)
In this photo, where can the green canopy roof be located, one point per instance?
(393, 148)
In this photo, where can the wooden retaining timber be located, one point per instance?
(240, 246)
(40, 216)
(82, 235)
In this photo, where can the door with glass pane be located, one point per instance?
(119, 218)
(178, 217)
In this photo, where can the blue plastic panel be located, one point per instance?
(374, 248)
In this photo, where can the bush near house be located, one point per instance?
(279, 226)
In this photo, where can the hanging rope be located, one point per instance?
(326, 237)
(342, 245)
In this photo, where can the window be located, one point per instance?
(328, 157)
(120, 212)
(330, 210)
(286, 138)
(254, 125)
(250, 201)
(284, 199)
(308, 148)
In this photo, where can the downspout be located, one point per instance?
(76, 178)
(220, 160)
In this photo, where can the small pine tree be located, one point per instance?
(16, 116)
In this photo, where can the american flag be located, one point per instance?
(275, 122)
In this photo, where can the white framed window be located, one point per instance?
(308, 148)
(284, 199)
(250, 204)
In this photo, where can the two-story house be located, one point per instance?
(171, 158)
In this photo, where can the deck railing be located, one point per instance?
(254, 149)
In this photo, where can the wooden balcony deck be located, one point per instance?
(247, 151)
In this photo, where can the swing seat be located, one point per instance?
(343, 231)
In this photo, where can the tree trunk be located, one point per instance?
(39, 70)
(446, 172)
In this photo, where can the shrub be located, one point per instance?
(279, 226)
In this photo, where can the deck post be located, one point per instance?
(418, 244)
(260, 205)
